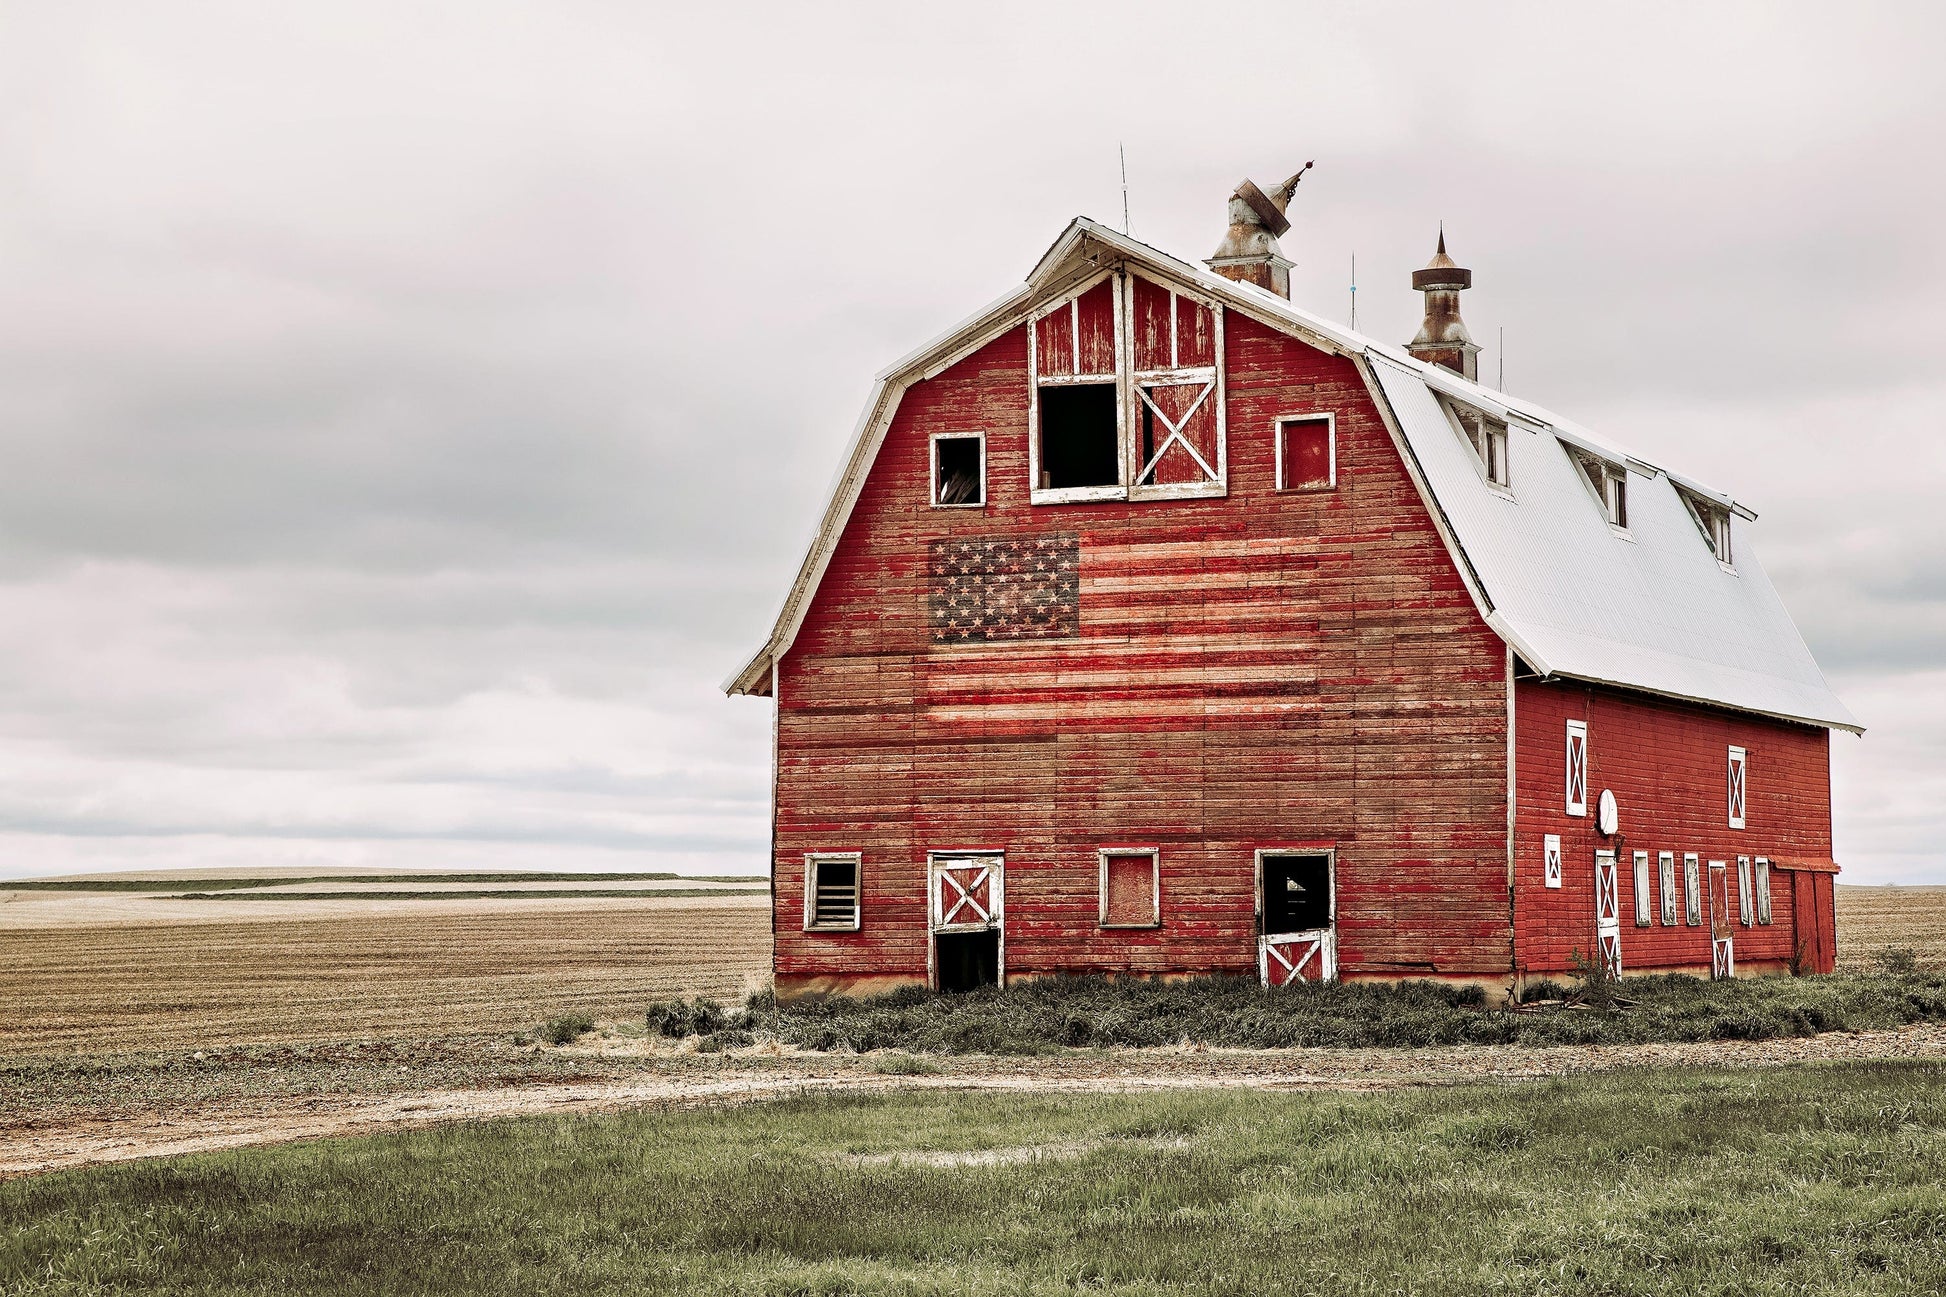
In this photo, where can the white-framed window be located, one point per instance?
(1665, 862)
(1577, 768)
(1609, 482)
(959, 470)
(1487, 436)
(1692, 889)
(1643, 901)
(1551, 860)
(832, 883)
(1307, 452)
(1126, 399)
(1131, 887)
(1713, 521)
(1746, 893)
(1763, 891)
(1738, 785)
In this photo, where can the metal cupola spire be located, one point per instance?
(1442, 337)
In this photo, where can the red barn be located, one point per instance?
(1157, 626)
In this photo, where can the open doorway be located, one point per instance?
(967, 900)
(1297, 917)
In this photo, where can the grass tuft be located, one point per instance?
(567, 1028)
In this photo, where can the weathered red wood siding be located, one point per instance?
(1271, 668)
(1667, 764)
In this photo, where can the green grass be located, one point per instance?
(244, 884)
(1788, 1180)
(1046, 1014)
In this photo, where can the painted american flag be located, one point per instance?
(1005, 588)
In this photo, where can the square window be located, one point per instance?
(831, 888)
(959, 470)
(1080, 437)
(1130, 887)
(1307, 454)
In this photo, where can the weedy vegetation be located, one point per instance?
(1787, 1180)
(1052, 1013)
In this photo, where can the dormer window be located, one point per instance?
(1488, 438)
(1609, 482)
(1713, 520)
(1126, 395)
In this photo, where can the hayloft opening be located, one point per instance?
(1297, 892)
(1079, 436)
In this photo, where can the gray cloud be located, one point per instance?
(411, 415)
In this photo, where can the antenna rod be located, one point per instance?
(1123, 151)
(1354, 290)
(1503, 357)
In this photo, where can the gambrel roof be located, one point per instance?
(1651, 609)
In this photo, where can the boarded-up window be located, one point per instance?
(1692, 889)
(1746, 893)
(831, 892)
(1577, 767)
(1666, 871)
(1175, 352)
(1738, 766)
(1130, 888)
(1551, 860)
(1307, 454)
(1763, 891)
(1642, 899)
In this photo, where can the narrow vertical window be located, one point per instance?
(1551, 860)
(1763, 891)
(959, 470)
(1488, 438)
(1577, 767)
(1666, 869)
(1307, 453)
(1692, 889)
(1609, 482)
(1746, 893)
(1131, 890)
(1643, 900)
(831, 887)
(1736, 786)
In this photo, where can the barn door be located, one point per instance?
(1608, 921)
(966, 902)
(1297, 916)
(1723, 958)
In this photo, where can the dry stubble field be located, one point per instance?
(226, 972)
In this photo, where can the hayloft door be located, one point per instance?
(1608, 922)
(1723, 959)
(966, 903)
(1297, 917)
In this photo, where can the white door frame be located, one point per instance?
(952, 904)
(1283, 957)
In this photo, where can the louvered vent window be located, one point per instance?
(831, 885)
(1608, 481)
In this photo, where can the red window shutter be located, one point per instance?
(1307, 453)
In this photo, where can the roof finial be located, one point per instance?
(1442, 338)
(1249, 251)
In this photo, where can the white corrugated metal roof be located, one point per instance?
(1652, 611)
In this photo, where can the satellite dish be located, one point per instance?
(1607, 816)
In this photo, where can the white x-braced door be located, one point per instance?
(1608, 921)
(966, 893)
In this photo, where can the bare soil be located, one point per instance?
(1873, 918)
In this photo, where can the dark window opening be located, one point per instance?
(966, 960)
(1297, 893)
(957, 475)
(1078, 436)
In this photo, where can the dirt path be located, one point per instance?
(71, 1140)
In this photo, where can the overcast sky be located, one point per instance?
(413, 412)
